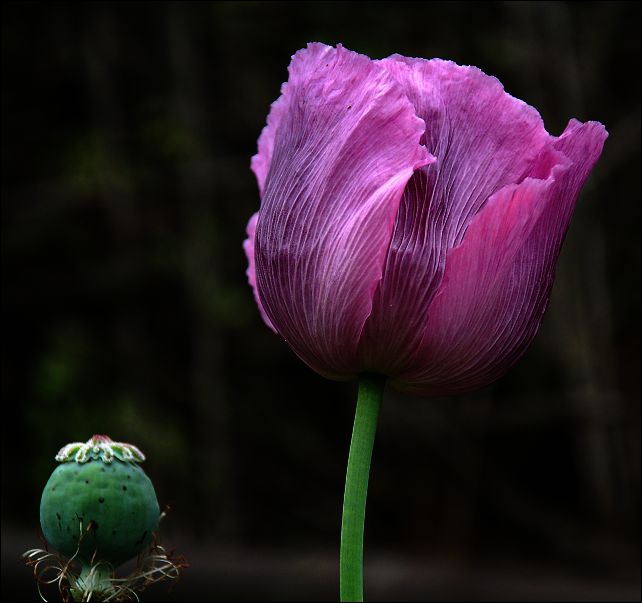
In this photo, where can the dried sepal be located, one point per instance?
(97, 581)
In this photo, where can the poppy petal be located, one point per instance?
(248, 247)
(483, 139)
(497, 283)
(346, 144)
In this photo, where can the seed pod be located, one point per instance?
(99, 509)
(98, 503)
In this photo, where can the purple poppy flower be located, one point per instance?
(412, 213)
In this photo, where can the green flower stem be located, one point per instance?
(94, 581)
(354, 499)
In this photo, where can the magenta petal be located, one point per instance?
(260, 163)
(483, 139)
(497, 283)
(248, 247)
(334, 161)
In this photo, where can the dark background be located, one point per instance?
(127, 131)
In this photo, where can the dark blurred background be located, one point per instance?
(127, 131)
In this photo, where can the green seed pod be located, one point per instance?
(99, 504)
(98, 510)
